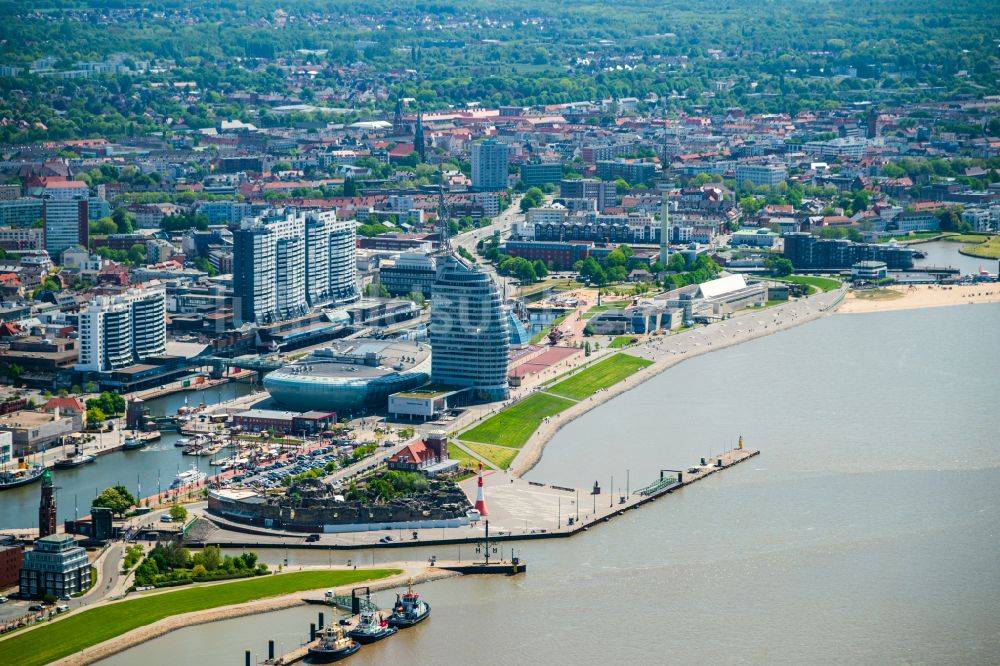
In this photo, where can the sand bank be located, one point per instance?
(919, 296)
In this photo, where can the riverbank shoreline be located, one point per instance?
(411, 572)
(663, 359)
(918, 296)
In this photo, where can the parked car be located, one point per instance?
(36, 607)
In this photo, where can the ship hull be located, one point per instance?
(367, 639)
(70, 464)
(402, 622)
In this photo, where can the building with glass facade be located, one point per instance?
(351, 376)
(468, 331)
(55, 566)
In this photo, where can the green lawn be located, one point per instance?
(967, 238)
(515, 425)
(86, 628)
(464, 459)
(917, 235)
(988, 250)
(501, 456)
(821, 283)
(621, 341)
(601, 375)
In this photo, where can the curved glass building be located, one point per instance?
(469, 331)
(351, 376)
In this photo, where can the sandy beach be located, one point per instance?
(919, 296)
(418, 572)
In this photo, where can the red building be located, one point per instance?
(429, 457)
(11, 556)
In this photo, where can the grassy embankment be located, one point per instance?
(816, 283)
(513, 426)
(622, 341)
(87, 628)
(990, 249)
(499, 438)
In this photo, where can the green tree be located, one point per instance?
(14, 372)
(779, 266)
(95, 415)
(137, 253)
(103, 227)
(178, 513)
(116, 498)
(677, 263)
(533, 198)
(203, 264)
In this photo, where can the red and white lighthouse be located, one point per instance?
(480, 500)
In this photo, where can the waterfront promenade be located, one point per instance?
(518, 510)
(667, 351)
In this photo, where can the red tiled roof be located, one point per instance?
(72, 404)
(416, 453)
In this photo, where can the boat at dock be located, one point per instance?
(182, 442)
(334, 644)
(133, 442)
(188, 477)
(74, 459)
(371, 627)
(409, 610)
(21, 476)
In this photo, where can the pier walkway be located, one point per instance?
(519, 510)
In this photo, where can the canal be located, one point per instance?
(866, 532)
(137, 470)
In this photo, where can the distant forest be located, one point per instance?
(776, 56)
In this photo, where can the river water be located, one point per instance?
(136, 470)
(867, 532)
(943, 253)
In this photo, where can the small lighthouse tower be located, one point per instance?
(480, 500)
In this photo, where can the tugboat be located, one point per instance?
(334, 644)
(371, 627)
(133, 442)
(409, 610)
